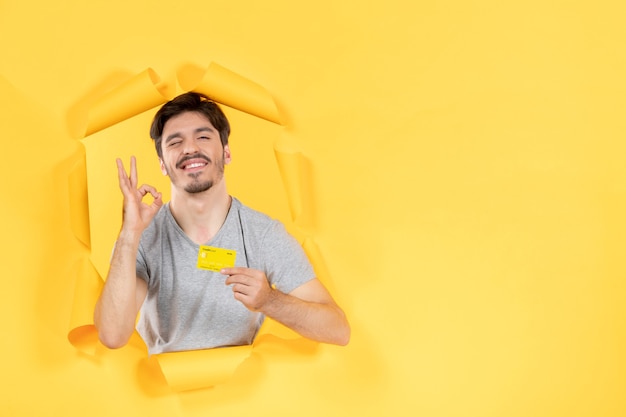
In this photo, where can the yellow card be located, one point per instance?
(214, 259)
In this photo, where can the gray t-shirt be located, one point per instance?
(188, 308)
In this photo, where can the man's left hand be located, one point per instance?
(250, 286)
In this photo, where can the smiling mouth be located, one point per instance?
(194, 165)
(193, 162)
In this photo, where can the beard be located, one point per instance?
(197, 186)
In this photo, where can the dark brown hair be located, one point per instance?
(189, 102)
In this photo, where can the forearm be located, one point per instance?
(116, 309)
(323, 322)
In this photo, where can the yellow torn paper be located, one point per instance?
(82, 332)
(142, 92)
(196, 369)
(188, 370)
(296, 174)
(231, 89)
(79, 206)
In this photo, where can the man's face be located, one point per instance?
(192, 153)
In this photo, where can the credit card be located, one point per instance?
(214, 259)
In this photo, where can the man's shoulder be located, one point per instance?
(255, 220)
(253, 215)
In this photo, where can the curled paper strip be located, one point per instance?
(142, 92)
(232, 90)
(79, 205)
(195, 369)
(295, 171)
(82, 332)
(191, 369)
(145, 91)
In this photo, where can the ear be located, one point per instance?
(162, 165)
(227, 157)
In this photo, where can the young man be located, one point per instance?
(154, 267)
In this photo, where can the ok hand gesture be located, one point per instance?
(137, 214)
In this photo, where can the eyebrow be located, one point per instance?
(198, 130)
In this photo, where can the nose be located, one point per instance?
(190, 146)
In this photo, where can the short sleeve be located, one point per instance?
(285, 263)
(141, 266)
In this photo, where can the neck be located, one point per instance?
(201, 215)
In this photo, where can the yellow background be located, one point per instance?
(469, 189)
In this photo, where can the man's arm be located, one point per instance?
(123, 292)
(309, 309)
(122, 295)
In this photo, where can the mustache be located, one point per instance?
(194, 156)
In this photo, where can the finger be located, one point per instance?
(240, 289)
(242, 298)
(133, 172)
(157, 197)
(122, 175)
(158, 201)
(247, 300)
(145, 189)
(237, 270)
(238, 280)
(121, 171)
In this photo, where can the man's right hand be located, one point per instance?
(137, 215)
